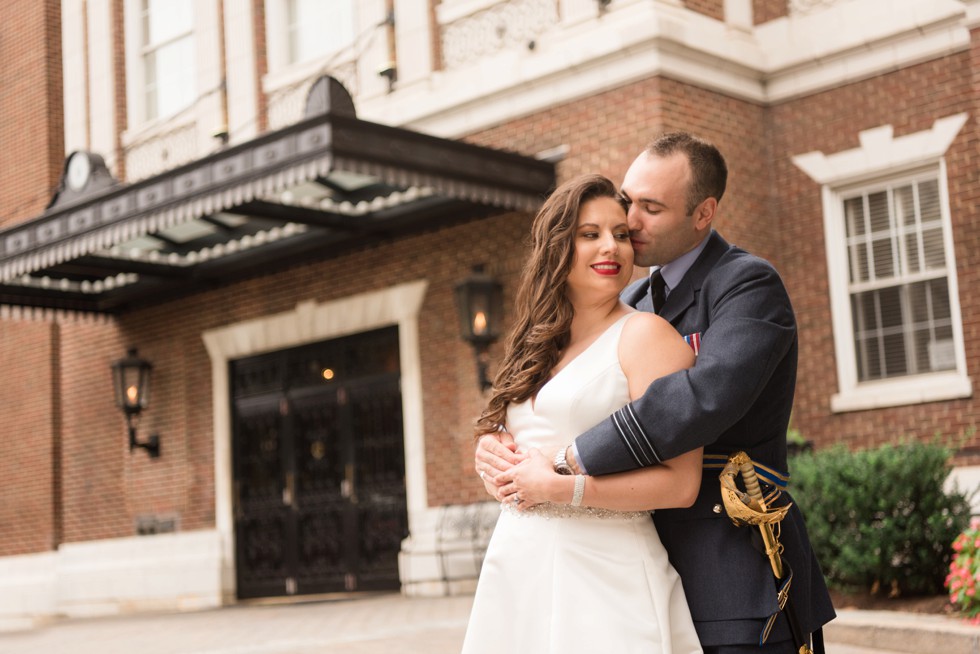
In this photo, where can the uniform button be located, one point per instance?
(716, 508)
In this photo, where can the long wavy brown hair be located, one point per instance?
(543, 314)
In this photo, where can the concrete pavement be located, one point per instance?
(393, 624)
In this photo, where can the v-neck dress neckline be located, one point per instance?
(608, 332)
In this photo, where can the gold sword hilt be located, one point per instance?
(752, 488)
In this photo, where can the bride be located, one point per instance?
(575, 563)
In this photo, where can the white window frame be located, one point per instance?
(283, 72)
(138, 110)
(188, 133)
(883, 158)
(294, 29)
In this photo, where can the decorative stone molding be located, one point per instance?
(145, 158)
(881, 153)
(503, 25)
(803, 7)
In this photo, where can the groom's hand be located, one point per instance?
(495, 454)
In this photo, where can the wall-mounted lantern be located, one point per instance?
(479, 301)
(131, 378)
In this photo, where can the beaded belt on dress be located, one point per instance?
(548, 510)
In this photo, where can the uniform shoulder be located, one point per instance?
(739, 261)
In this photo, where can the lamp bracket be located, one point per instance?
(151, 444)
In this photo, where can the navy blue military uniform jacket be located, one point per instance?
(737, 396)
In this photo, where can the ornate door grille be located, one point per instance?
(319, 467)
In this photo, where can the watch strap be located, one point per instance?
(561, 464)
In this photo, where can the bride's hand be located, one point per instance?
(532, 481)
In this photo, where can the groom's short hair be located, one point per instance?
(709, 173)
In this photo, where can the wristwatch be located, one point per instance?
(561, 465)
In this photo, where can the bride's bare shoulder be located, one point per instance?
(646, 327)
(648, 339)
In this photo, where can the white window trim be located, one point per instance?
(204, 109)
(283, 74)
(881, 156)
(135, 69)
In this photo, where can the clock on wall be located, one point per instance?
(79, 170)
(84, 175)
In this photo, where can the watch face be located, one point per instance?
(79, 168)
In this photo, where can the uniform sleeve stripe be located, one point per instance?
(626, 441)
(634, 437)
(639, 430)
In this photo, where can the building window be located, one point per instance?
(897, 279)
(168, 58)
(316, 28)
(891, 269)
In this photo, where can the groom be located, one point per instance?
(734, 311)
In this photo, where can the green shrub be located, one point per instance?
(879, 519)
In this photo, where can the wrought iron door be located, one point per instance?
(319, 468)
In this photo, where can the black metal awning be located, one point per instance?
(323, 186)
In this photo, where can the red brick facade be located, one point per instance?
(31, 156)
(764, 11)
(67, 474)
(711, 8)
(105, 488)
(830, 122)
(30, 448)
(31, 131)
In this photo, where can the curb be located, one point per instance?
(914, 633)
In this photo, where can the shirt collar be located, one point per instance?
(674, 271)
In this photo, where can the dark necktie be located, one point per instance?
(658, 291)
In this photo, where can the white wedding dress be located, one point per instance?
(562, 580)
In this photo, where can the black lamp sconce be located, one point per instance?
(479, 301)
(390, 72)
(131, 378)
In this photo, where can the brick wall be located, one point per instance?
(774, 210)
(712, 8)
(764, 11)
(261, 63)
(738, 129)
(29, 438)
(605, 132)
(771, 208)
(31, 156)
(106, 488)
(830, 122)
(121, 115)
(31, 132)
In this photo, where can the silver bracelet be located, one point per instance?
(579, 490)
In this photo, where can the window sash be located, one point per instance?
(316, 28)
(168, 56)
(898, 287)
